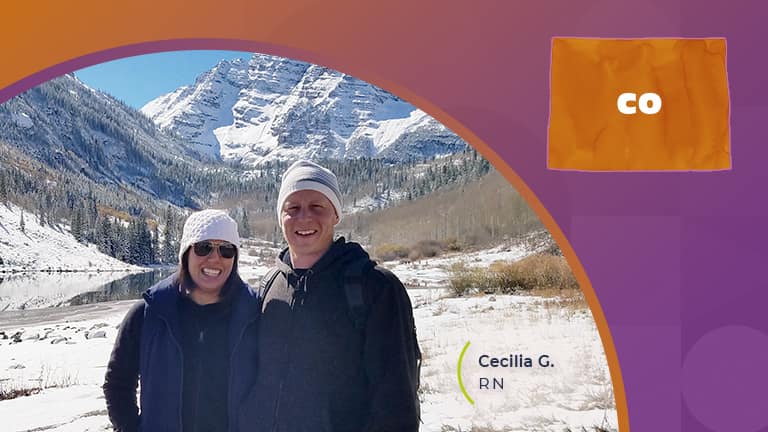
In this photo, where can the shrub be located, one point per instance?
(506, 277)
(425, 249)
(539, 271)
(454, 245)
(389, 252)
(7, 393)
(464, 280)
(551, 248)
(48, 378)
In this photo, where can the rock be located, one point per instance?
(34, 336)
(492, 299)
(17, 366)
(59, 340)
(98, 325)
(96, 334)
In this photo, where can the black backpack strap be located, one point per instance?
(266, 283)
(416, 372)
(417, 350)
(354, 281)
(354, 278)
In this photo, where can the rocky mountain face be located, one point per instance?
(271, 108)
(72, 128)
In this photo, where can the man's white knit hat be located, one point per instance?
(306, 175)
(208, 225)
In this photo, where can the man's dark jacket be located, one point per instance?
(316, 370)
(149, 348)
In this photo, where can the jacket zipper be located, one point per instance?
(199, 376)
(302, 283)
(233, 419)
(181, 368)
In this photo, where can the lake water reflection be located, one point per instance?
(20, 291)
(126, 288)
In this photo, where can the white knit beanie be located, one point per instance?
(306, 175)
(208, 225)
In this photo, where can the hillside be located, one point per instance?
(479, 213)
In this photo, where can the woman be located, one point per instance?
(190, 342)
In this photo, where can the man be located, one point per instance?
(337, 346)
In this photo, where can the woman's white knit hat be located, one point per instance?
(306, 175)
(208, 225)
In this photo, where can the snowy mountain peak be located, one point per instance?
(272, 108)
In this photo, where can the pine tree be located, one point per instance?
(168, 253)
(144, 242)
(121, 242)
(77, 225)
(21, 223)
(89, 219)
(153, 258)
(3, 190)
(245, 225)
(104, 236)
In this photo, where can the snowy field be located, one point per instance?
(64, 350)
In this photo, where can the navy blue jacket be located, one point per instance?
(148, 348)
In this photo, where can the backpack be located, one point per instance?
(354, 278)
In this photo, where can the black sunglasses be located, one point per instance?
(204, 248)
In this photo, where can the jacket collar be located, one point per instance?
(163, 298)
(339, 253)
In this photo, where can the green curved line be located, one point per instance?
(458, 372)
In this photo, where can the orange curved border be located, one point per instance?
(549, 222)
(436, 112)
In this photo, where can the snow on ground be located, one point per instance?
(70, 355)
(434, 272)
(575, 393)
(69, 352)
(47, 248)
(255, 260)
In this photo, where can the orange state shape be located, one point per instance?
(691, 131)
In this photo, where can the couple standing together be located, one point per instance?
(327, 344)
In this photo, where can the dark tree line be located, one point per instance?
(366, 177)
(144, 228)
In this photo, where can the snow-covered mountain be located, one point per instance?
(72, 128)
(271, 108)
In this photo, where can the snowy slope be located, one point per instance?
(47, 248)
(271, 108)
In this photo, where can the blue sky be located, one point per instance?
(137, 80)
